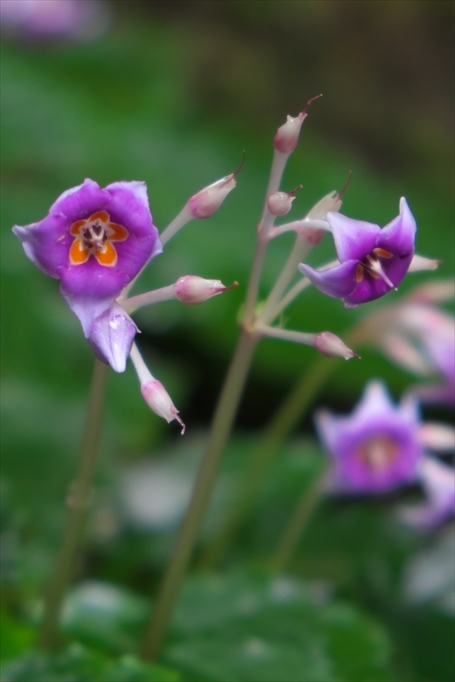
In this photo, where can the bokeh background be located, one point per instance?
(172, 92)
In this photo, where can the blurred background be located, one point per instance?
(171, 92)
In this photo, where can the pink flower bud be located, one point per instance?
(280, 203)
(332, 346)
(287, 135)
(207, 201)
(158, 399)
(192, 290)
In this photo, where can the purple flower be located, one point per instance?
(438, 481)
(372, 260)
(53, 20)
(376, 449)
(96, 241)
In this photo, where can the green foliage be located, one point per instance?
(245, 626)
(79, 664)
(138, 104)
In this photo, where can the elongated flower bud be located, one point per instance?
(192, 290)
(207, 201)
(287, 135)
(332, 346)
(159, 400)
(153, 391)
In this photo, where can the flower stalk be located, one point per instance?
(79, 501)
(191, 525)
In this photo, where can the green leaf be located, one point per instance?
(105, 615)
(14, 637)
(246, 627)
(78, 664)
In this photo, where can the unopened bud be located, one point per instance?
(207, 201)
(158, 399)
(420, 263)
(287, 135)
(192, 290)
(332, 346)
(330, 203)
(280, 203)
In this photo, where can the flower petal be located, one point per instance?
(376, 428)
(398, 236)
(111, 337)
(338, 281)
(46, 243)
(354, 239)
(81, 201)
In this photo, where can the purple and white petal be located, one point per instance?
(353, 238)
(338, 281)
(398, 236)
(111, 337)
(438, 480)
(81, 201)
(375, 449)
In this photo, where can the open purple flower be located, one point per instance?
(96, 241)
(372, 260)
(376, 449)
(438, 480)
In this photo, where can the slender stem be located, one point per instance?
(256, 270)
(297, 524)
(179, 221)
(276, 173)
(190, 527)
(287, 299)
(284, 420)
(286, 335)
(149, 297)
(297, 225)
(300, 249)
(78, 501)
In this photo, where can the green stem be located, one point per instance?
(192, 522)
(279, 427)
(297, 524)
(78, 501)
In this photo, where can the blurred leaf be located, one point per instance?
(78, 664)
(246, 627)
(15, 638)
(104, 615)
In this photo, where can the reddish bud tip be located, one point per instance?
(308, 104)
(158, 399)
(347, 183)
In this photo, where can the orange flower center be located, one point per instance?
(377, 453)
(94, 237)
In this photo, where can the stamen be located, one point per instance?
(359, 271)
(94, 237)
(382, 253)
(375, 269)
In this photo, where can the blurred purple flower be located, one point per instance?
(372, 260)
(438, 480)
(96, 241)
(51, 20)
(376, 449)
